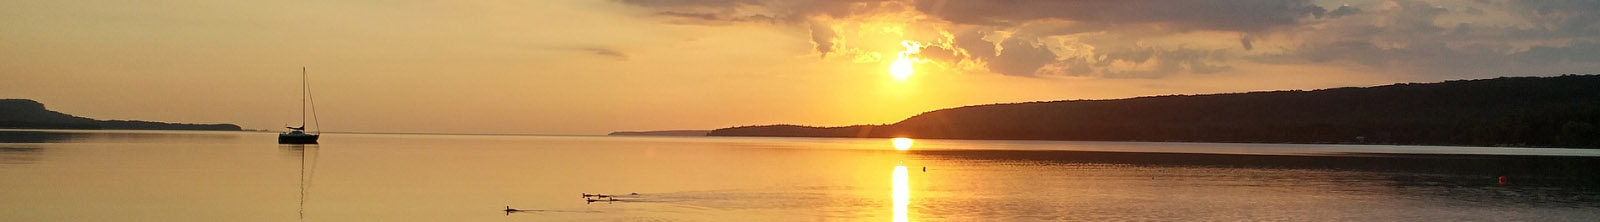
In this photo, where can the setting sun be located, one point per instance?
(902, 68)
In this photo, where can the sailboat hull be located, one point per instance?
(297, 139)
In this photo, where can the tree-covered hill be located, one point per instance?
(1561, 111)
(29, 114)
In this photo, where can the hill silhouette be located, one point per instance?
(29, 114)
(1558, 111)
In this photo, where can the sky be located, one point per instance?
(596, 66)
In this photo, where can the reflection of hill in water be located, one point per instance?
(1559, 171)
(33, 137)
(107, 136)
(20, 154)
(1533, 181)
(28, 146)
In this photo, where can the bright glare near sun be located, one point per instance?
(902, 68)
(902, 143)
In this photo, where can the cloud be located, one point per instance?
(605, 52)
(1578, 17)
(1146, 62)
(1225, 15)
(1154, 39)
(1020, 57)
(1343, 10)
(823, 37)
(1579, 53)
(711, 18)
(1419, 39)
(1247, 42)
(762, 10)
(813, 15)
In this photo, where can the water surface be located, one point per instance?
(243, 176)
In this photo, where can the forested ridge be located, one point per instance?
(29, 114)
(1560, 111)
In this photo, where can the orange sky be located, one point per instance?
(591, 67)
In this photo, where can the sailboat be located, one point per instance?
(298, 135)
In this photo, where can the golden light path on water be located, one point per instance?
(902, 193)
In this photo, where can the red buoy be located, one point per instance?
(1502, 179)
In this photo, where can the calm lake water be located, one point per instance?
(241, 176)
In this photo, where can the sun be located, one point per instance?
(903, 66)
(901, 69)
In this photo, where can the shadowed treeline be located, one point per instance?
(1513, 111)
(29, 114)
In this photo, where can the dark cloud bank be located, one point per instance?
(1404, 37)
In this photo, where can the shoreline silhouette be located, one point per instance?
(1499, 112)
(29, 114)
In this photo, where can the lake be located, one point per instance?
(245, 176)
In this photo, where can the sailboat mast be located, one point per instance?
(302, 97)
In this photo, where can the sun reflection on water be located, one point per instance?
(902, 143)
(902, 193)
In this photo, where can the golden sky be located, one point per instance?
(591, 67)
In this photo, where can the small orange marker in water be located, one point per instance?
(1502, 180)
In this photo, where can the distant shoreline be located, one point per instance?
(661, 133)
(1526, 112)
(29, 114)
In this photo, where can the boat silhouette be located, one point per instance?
(298, 135)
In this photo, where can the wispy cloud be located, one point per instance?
(605, 52)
